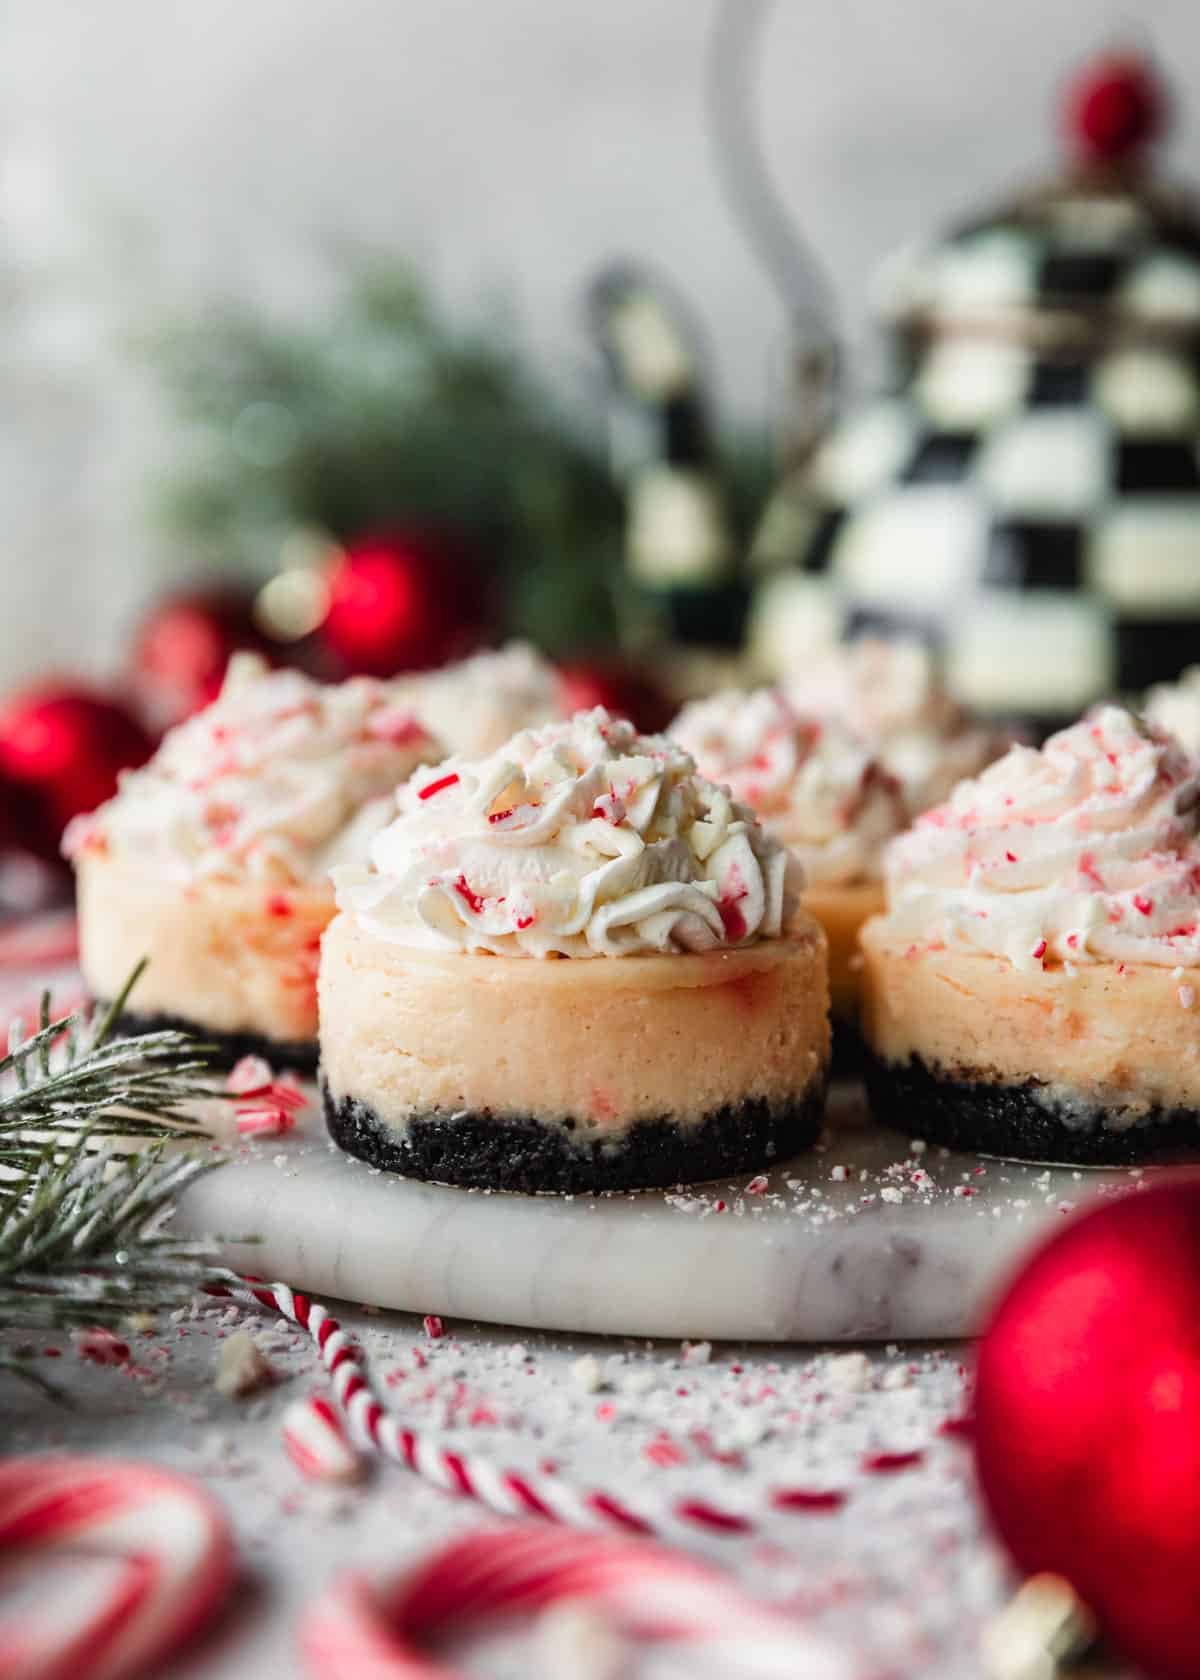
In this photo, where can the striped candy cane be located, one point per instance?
(630, 1593)
(511, 1492)
(167, 1542)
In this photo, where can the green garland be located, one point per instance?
(383, 415)
(87, 1182)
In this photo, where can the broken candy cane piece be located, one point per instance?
(316, 1443)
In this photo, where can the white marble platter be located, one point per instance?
(868, 1238)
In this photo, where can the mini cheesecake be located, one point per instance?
(1033, 988)
(234, 961)
(821, 792)
(1175, 707)
(889, 694)
(476, 704)
(213, 860)
(843, 909)
(568, 970)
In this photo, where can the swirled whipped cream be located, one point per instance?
(474, 706)
(814, 785)
(1084, 851)
(277, 780)
(580, 839)
(1175, 707)
(890, 695)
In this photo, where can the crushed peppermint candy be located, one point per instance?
(252, 1074)
(270, 1107)
(101, 1347)
(264, 1121)
(439, 786)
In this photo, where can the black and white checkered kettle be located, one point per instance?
(1026, 496)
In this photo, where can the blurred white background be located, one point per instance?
(153, 155)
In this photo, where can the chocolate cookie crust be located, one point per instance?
(848, 1048)
(520, 1153)
(300, 1055)
(1019, 1120)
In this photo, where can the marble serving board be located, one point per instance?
(867, 1238)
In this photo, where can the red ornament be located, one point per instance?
(60, 750)
(182, 647)
(618, 686)
(1115, 107)
(402, 603)
(1087, 1420)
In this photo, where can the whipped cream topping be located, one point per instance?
(474, 706)
(277, 780)
(889, 693)
(1084, 851)
(580, 839)
(1175, 707)
(814, 785)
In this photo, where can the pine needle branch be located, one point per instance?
(89, 1245)
(72, 1075)
(90, 1170)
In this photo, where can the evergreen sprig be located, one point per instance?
(90, 1168)
(383, 413)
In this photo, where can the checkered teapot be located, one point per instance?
(1027, 495)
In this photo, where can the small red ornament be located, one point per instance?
(618, 686)
(1115, 107)
(403, 603)
(60, 750)
(1087, 1420)
(182, 647)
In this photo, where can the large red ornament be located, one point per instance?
(621, 688)
(60, 752)
(1088, 1420)
(182, 647)
(402, 603)
(1115, 107)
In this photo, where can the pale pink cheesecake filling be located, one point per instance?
(413, 1033)
(1122, 1037)
(233, 957)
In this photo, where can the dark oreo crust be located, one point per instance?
(990, 1118)
(519, 1153)
(300, 1055)
(849, 1050)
